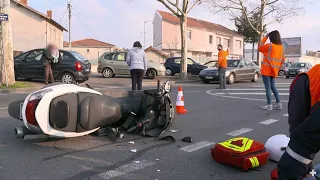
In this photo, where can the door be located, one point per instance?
(109, 62)
(65, 63)
(120, 64)
(176, 65)
(242, 71)
(251, 69)
(193, 67)
(32, 65)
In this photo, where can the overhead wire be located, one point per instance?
(77, 14)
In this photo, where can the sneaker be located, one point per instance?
(266, 107)
(277, 106)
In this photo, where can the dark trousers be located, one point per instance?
(136, 78)
(222, 78)
(47, 73)
(291, 169)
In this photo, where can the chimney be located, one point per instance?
(25, 2)
(49, 14)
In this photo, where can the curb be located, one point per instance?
(19, 90)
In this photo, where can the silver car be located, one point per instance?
(114, 63)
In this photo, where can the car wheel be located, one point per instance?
(67, 78)
(255, 77)
(231, 78)
(287, 77)
(205, 81)
(151, 73)
(281, 73)
(107, 73)
(169, 72)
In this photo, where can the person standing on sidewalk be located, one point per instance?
(136, 59)
(222, 65)
(47, 59)
(273, 59)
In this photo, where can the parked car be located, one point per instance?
(173, 65)
(237, 69)
(211, 64)
(72, 66)
(284, 68)
(114, 63)
(298, 68)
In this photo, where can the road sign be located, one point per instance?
(4, 17)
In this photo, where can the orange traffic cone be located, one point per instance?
(180, 102)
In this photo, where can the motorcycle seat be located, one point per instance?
(97, 111)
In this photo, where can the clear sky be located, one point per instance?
(121, 24)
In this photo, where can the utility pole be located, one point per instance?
(144, 33)
(6, 49)
(69, 8)
(46, 24)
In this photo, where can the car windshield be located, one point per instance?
(298, 65)
(233, 63)
(78, 56)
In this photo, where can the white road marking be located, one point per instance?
(286, 114)
(125, 169)
(251, 89)
(269, 121)
(197, 146)
(234, 97)
(278, 86)
(250, 93)
(239, 131)
(3, 108)
(89, 159)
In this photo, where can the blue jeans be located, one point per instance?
(269, 85)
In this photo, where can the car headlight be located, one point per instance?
(302, 70)
(202, 72)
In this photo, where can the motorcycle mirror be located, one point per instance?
(167, 86)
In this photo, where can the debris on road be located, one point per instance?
(136, 161)
(133, 150)
(121, 136)
(157, 159)
(131, 142)
(187, 139)
(174, 131)
(158, 170)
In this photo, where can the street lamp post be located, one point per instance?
(144, 33)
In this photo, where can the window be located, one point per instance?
(190, 62)
(218, 40)
(64, 56)
(226, 43)
(88, 50)
(249, 63)
(109, 56)
(34, 54)
(78, 56)
(120, 57)
(21, 57)
(177, 61)
(238, 44)
(210, 39)
(189, 34)
(233, 63)
(242, 64)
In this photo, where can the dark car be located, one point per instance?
(72, 66)
(298, 68)
(211, 64)
(284, 68)
(173, 66)
(237, 69)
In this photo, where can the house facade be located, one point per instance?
(156, 55)
(92, 49)
(32, 29)
(202, 38)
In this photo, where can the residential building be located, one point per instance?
(31, 29)
(202, 37)
(90, 48)
(156, 55)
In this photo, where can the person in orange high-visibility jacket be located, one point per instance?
(273, 59)
(222, 66)
(304, 122)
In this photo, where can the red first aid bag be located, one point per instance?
(241, 152)
(274, 174)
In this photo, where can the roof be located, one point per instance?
(192, 22)
(88, 43)
(42, 15)
(156, 51)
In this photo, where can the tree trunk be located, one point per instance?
(253, 51)
(184, 50)
(7, 63)
(259, 55)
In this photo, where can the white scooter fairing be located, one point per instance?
(42, 110)
(276, 145)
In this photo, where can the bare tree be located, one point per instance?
(269, 11)
(181, 9)
(173, 45)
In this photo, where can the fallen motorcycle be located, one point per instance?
(68, 110)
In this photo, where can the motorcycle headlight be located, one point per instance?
(167, 86)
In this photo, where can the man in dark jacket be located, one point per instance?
(304, 116)
(47, 59)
